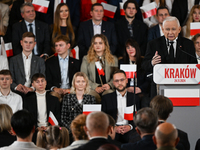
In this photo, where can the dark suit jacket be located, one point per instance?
(184, 139)
(52, 104)
(140, 31)
(161, 46)
(109, 104)
(85, 34)
(154, 33)
(16, 66)
(42, 37)
(53, 73)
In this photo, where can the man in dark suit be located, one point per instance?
(95, 26)
(156, 31)
(38, 28)
(60, 69)
(114, 104)
(24, 65)
(130, 27)
(146, 121)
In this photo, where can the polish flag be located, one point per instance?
(130, 70)
(109, 10)
(6, 49)
(75, 52)
(149, 10)
(88, 108)
(128, 112)
(183, 97)
(194, 28)
(99, 68)
(41, 5)
(121, 9)
(52, 119)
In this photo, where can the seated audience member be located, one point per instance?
(166, 137)
(40, 103)
(196, 40)
(4, 9)
(6, 135)
(72, 104)
(163, 107)
(24, 65)
(53, 138)
(108, 147)
(132, 56)
(6, 95)
(79, 135)
(99, 51)
(129, 27)
(146, 121)
(194, 16)
(61, 69)
(23, 126)
(95, 26)
(156, 31)
(97, 130)
(115, 103)
(30, 24)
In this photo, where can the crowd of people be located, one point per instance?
(71, 56)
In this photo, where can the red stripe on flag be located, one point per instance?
(86, 112)
(122, 12)
(194, 31)
(9, 52)
(185, 101)
(109, 13)
(51, 121)
(40, 8)
(149, 13)
(128, 116)
(130, 74)
(73, 53)
(100, 72)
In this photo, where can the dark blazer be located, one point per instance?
(42, 37)
(85, 34)
(140, 31)
(154, 33)
(161, 46)
(16, 66)
(109, 104)
(184, 139)
(6, 138)
(52, 104)
(53, 73)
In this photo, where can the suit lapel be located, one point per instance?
(91, 29)
(129, 101)
(57, 68)
(37, 32)
(24, 28)
(93, 70)
(21, 64)
(178, 52)
(114, 100)
(158, 31)
(34, 105)
(48, 105)
(163, 49)
(33, 65)
(107, 70)
(124, 26)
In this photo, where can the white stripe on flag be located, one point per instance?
(109, 7)
(126, 68)
(53, 118)
(91, 107)
(195, 25)
(128, 110)
(98, 65)
(181, 93)
(148, 7)
(41, 2)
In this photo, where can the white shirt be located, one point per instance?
(97, 28)
(198, 60)
(27, 68)
(161, 32)
(13, 100)
(174, 45)
(4, 62)
(42, 109)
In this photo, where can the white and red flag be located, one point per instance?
(52, 119)
(149, 10)
(130, 70)
(88, 108)
(109, 10)
(75, 52)
(128, 112)
(99, 68)
(6, 48)
(41, 5)
(194, 28)
(121, 4)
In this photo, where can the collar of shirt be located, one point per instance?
(39, 94)
(161, 32)
(9, 94)
(96, 24)
(119, 94)
(95, 137)
(27, 23)
(65, 59)
(198, 57)
(175, 41)
(25, 57)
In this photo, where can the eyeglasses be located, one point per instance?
(121, 80)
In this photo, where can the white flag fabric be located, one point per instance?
(52, 119)
(88, 108)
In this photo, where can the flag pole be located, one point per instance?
(100, 80)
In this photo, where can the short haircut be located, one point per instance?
(119, 71)
(28, 34)
(195, 37)
(5, 72)
(111, 121)
(171, 18)
(130, 1)
(161, 7)
(23, 123)
(146, 120)
(61, 38)
(162, 106)
(25, 4)
(96, 4)
(36, 76)
(5, 117)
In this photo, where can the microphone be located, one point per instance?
(179, 47)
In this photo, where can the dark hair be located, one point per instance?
(108, 147)
(23, 123)
(5, 72)
(61, 38)
(111, 121)
(25, 4)
(36, 76)
(96, 4)
(130, 1)
(195, 37)
(119, 71)
(28, 34)
(146, 120)
(161, 7)
(162, 106)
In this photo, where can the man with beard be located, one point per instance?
(114, 104)
(130, 27)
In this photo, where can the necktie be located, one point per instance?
(171, 51)
(30, 27)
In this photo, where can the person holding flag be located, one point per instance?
(98, 65)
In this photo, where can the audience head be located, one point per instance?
(196, 40)
(5, 79)
(108, 147)
(171, 28)
(28, 42)
(166, 134)
(130, 8)
(97, 124)
(119, 80)
(77, 127)
(97, 12)
(39, 82)
(194, 15)
(5, 117)
(162, 13)
(111, 127)
(53, 137)
(23, 124)
(28, 12)
(80, 82)
(146, 121)
(162, 106)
